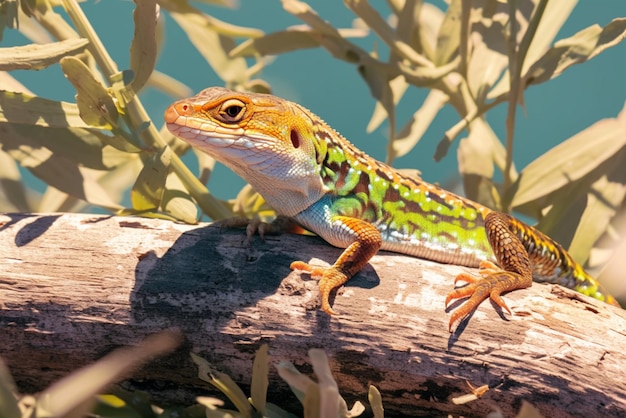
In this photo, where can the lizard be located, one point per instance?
(315, 178)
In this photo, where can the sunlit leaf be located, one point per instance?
(212, 38)
(571, 160)
(143, 49)
(32, 110)
(95, 105)
(553, 18)
(178, 202)
(449, 34)
(477, 154)
(378, 75)
(376, 402)
(147, 192)
(290, 39)
(605, 197)
(24, 144)
(76, 392)
(488, 56)
(398, 87)
(328, 389)
(37, 57)
(429, 20)
(576, 49)
(81, 146)
(224, 383)
(260, 382)
(415, 128)
(169, 85)
(298, 382)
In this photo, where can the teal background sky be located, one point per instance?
(333, 89)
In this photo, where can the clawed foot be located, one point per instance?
(329, 278)
(492, 282)
(256, 226)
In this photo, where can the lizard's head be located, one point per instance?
(268, 141)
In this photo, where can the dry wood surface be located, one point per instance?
(74, 287)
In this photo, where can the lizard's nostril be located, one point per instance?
(177, 109)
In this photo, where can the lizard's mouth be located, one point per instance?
(202, 137)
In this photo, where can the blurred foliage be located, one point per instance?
(473, 56)
(77, 394)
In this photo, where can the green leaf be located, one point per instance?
(178, 202)
(576, 49)
(38, 56)
(95, 105)
(143, 50)
(147, 192)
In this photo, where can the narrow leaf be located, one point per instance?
(95, 105)
(605, 198)
(71, 393)
(56, 169)
(32, 110)
(36, 56)
(223, 383)
(143, 50)
(178, 202)
(147, 192)
(212, 38)
(576, 49)
(449, 34)
(398, 87)
(571, 160)
(376, 402)
(415, 128)
(8, 403)
(12, 188)
(260, 382)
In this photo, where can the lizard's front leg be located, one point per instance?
(515, 270)
(362, 241)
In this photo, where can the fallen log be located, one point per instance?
(74, 287)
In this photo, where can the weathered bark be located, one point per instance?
(73, 287)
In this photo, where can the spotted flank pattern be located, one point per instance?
(309, 173)
(413, 217)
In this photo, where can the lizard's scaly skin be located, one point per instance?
(309, 173)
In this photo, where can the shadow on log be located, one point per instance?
(74, 287)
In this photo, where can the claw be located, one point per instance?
(479, 289)
(330, 278)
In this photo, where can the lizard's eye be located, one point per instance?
(232, 110)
